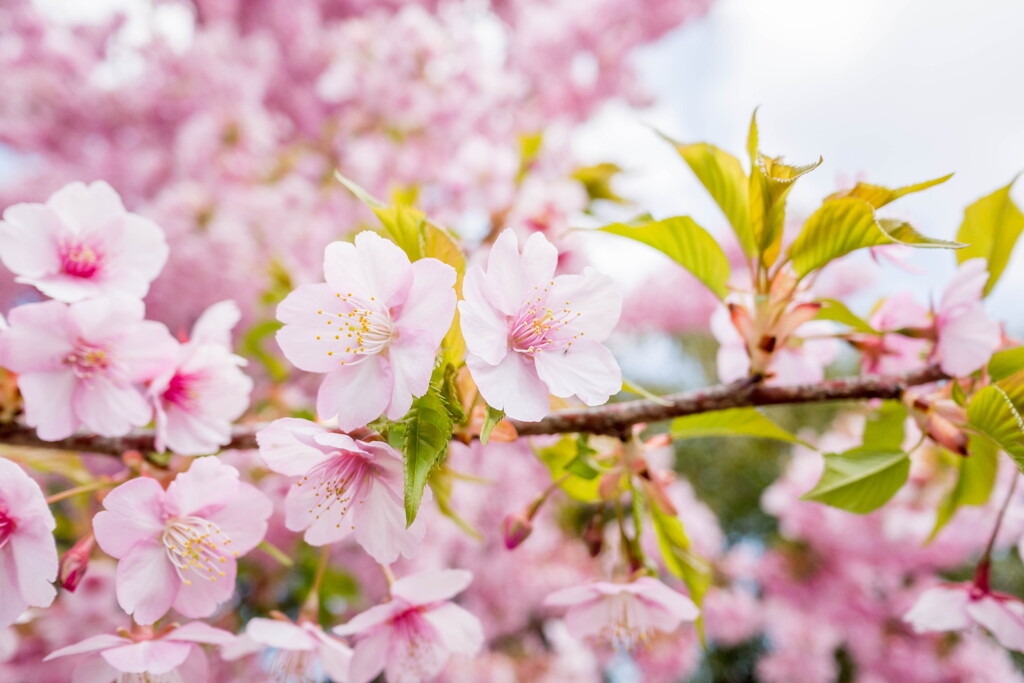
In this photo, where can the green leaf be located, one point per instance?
(878, 196)
(529, 147)
(491, 418)
(992, 413)
(860, 480)
(441, 484)
(634, 388)
(1005, 363)
(597, 181)
(840, 226)
(360, 193)
(770, 183)
(428, 429)
(752, 140)
(686, 243)
(723, 177)
(731, 422)
(557, 458)
(253, 345)
(837, 311)
(679, 559)
(884, 428)
(975, 477)
(991, 227)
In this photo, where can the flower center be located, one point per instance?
(627, 625)
(146, 677)
(294, 666)
(181, 391)
(7, 527)
(196, 547)
(336, 482)
(539, 328)
(364, 330)
(87, 359)
(79, 260)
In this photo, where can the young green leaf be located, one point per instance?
(428, 429)
(975, 477)
(634, 388)
(840, 226)
(731, 422)
(723, 177)
(1005, 363)
(884, 428)
(557, 458)
(878, 196)
(837, 311)
(992, 414)
(860, 480)
(679, 559)
(991, 227)
(492, 417)
(686, 243)
(770, 183)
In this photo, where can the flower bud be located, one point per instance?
(75, 563)
(516, 528)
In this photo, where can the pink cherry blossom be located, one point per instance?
(28, 553)
(198, 397)
(171, 656)
(412, 636)
(891, 352)
(82, 243)
(374, 328)
(78, 364)
(348, 487)
(967, 337)
(530, 333)
(955, 607)
(302, 652)
(178, 548)
(623, 614)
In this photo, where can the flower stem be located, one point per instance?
(981, 574)
(276, 553)
(85, 488)
(311, 607)
(389, 575)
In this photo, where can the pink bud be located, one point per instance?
(516, 528)
(75, 563)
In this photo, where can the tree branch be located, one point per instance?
(613, 419)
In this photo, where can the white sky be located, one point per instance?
(899, 90)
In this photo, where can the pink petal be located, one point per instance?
(430, 306)
(414, 657)
(335, 657)
(429, 586)
(38, 339)
(199, 632)
(48, 403)
(244, 519)
(573, 595)
(505, 286)
(343, 270)
(939, 609)
(459, 630)
(307, 341)
(28, 240)
(143, 252)
(215, 324)
(966, 287)
(369, 657)
(83, 206)
(90, 644)
(35, 556)
(207, 485)
(662, 598)
(356, 394)
(148, 656)
(94, 670)
(110, 409)
(134, 513)
(512, 385)
(483, 326)
(146, 582)
(280, 634)
(11, 602)
(106, 317)
(147, 350)
(286, 448)
(586, 369)
(967, 342)
(386, 266)
(206, 590)
(594, 296)
(380, 526)
(1000, 619)
(368, 620)
(412, 362)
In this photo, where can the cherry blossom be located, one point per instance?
(301, 652)
(196, 398)
(82, 243)
(171, 656)
(78, 364)
(28, 553)
(891, 351)
(623, 614)
(178, 548)
(967, 337)
(955, 607)
(374, 328)
(530, 333)
(347, 487)
(411, 637)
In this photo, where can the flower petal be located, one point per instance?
(146, 582)
(356, 394)
(587, 369)
(512, 385)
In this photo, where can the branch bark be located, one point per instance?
(613, 419)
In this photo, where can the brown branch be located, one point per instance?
(613, 419)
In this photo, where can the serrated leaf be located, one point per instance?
(993, 414)
(860, 480)
(491, 418)
(991, 227)
(840, 226)
(878, 196)
(837, 311)
(557, 457)
(1005, 363)
(770, 183)
(725, 180)
(731, 422)
(686, 243)
(428, 429)
(975, 477)
(884, 428)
